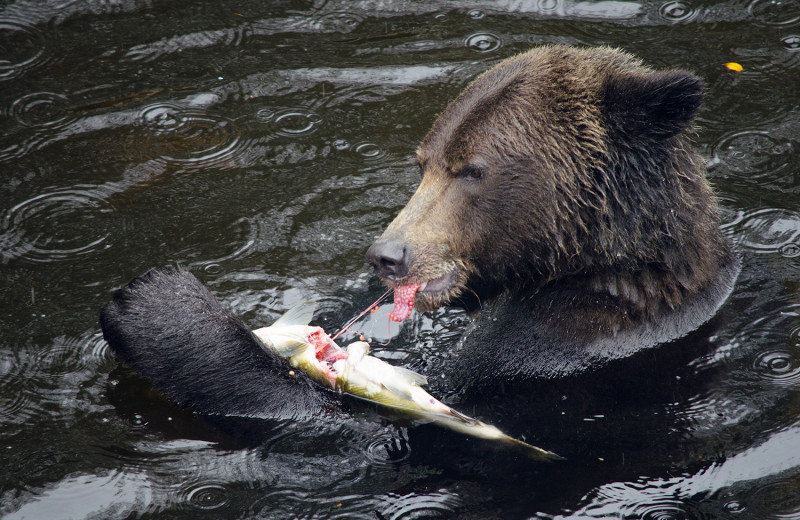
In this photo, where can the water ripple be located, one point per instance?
(23, 48)
(42, 109)
(418, 506)
(677, 12)
(483, 42)
(71, 355)
(206, 495)
(775, 500)
(388, 449)
(670, 509)
(16, 393)
(59, 225)
(187, 136)
(769, 231)
(335, 21)
(242, 244)
(291, 122)
(754, 153)
(774, 12)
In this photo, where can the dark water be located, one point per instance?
(265, 145)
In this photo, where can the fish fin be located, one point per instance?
(387, 399)
(412, 377)
(290, 347)
(300, 314)
(401, 391)
(461, 417)
(286, 345)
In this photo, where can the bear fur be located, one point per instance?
(559, 185)
(562, 180)
(169, 328)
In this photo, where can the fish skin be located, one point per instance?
(356, 373)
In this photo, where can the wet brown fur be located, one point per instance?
(566, 171)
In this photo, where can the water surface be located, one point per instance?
(264, 145)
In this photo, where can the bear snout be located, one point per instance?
(389, 259)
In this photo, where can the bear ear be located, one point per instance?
(657, 104)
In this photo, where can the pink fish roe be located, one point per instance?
(403, 301)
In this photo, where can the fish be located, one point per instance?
(354, 372)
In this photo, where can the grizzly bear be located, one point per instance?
(561, 180)
(559, 186)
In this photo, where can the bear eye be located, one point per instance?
(471, 173)
(416, 162)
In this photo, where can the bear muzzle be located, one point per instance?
(389, 259)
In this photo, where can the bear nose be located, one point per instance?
(389, 259)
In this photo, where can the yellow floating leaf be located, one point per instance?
(734, 67)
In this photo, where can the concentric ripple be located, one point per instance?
(754, 153)
(483, 42)
(777, 500)
(239, 243)
(774, 12)
(207, 495)
(292, 122)
(69, 355)
(22, 47)
(669, 509)
(337, 21)
(775, 341)
(58, 225)
(388, 449)
(791, 43)
(16, 396)
(188, 136)
(42, 109)
(677, 12)
(770, 231)
(421, 506)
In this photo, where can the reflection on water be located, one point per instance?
(265, 146)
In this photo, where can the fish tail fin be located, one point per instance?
(529, 450)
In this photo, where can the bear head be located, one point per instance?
(559, 164)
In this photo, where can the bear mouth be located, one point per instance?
(425, 295)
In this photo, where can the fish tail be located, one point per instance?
(529, 450)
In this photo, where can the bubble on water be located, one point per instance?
(207, 495)
(417, 506)
(23, 47)
(188, 136)
(546, 6)
(778, 366)
(336, 21)
(341, 144)
(388, 449)
(59, 225)
(476, 14)
(754, 152)
(790, 250)
(677, 12)
(293, 122)
(734, 507)
(775, 12)
(42, 109)
(483, 42)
